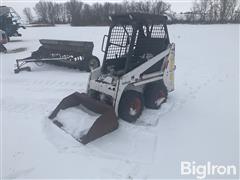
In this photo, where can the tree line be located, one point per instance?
(78, 13)
(213, 11)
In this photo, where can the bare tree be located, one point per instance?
(227, 10)
(60, 13)
(74, 9)
(236, 17)
(28, 13)
(222, 10)
(160, 7)
(40, 9)
(201, 8)
(51, 13)
(78, 13)
(214, 11)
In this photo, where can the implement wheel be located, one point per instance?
(131, 106)
(92, 63)
(155, 95)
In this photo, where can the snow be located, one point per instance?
(198, 123)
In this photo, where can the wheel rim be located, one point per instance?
(135, 107)
(160, 98)
(93, 64)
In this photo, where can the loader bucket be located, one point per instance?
(104, 124)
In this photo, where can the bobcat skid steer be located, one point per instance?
(137, 72)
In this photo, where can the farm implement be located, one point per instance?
(71, 54)
(137, 72)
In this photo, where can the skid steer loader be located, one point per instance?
(137, 71)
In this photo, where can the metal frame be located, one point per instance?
(136, 21)
(134, 78)
(22, 62)
(112, 85)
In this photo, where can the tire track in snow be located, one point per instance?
(192, 90)
(107, 147)
(124, 169)
(10, 105)
(46, 83)
(17, 174)
(23, 108)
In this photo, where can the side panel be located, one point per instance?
(168, 75)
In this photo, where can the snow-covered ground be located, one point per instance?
(198, 123)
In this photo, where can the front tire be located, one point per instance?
(131, 106)
(3, 49)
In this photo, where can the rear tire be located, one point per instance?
(28, 69)
(16, 71)
(131, 106)
(92, 63)
(3, 49)
(155, 95)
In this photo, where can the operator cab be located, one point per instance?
(132, 40)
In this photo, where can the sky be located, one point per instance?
(176, 5)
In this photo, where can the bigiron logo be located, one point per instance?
(202, 171)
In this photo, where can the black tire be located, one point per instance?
(155, 94)
(28, 69)
(3, 49)
(92, 63)
(131, 106)
(16, 71)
